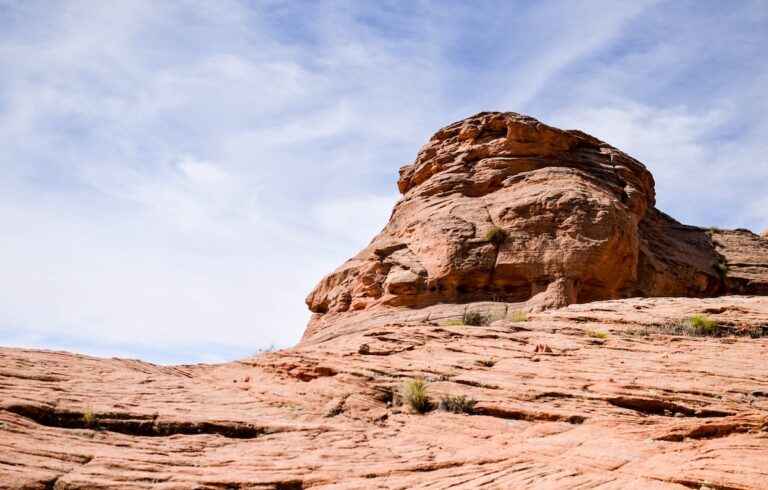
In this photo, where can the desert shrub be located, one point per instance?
(457, 404)
(414, 393)
(487, 362)
(518, 316)
(596, 334)
(89, 418)
(700, 325)
(475, 318)
(496, 235)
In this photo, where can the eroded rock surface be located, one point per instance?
(744, 264)
(540, 233)
(500, 207)
(592, 395)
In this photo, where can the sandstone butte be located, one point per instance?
(584, 369)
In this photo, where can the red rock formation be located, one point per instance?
(744, 262)
(504, 208)
(500, 214)
(592, 395)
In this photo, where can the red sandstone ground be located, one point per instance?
(550, 236)
(638, 409)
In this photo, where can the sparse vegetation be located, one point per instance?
(487, 362)
(700, 325)
(457, 404)
(414, 393)
(518, 316)
(475, 318)
(472, 318)
(89, 418)
(496, 235)
(596, 334)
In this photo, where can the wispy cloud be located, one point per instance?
(176, 176)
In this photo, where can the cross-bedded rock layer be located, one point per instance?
(500, 207)
(595, 395)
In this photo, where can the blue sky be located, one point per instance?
(176, 176)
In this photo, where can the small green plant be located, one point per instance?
(700, 325)
(89, 418)
(596, 334)
(487, 362)
(518, 316)
(496, 235)
(457, 404)
(414, 393)
(475, 318)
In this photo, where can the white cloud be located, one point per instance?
(356, 219)
(176, 176)
(699, 179)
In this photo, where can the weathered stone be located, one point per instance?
(576, 221)
(555, 407)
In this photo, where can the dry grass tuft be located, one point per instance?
(518, 316)
(596, 334)
(496, 235)
(414, 393)
(457, 404)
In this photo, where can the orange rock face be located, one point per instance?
(500, 207)
(605, 394)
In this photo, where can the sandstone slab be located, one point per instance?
(638, 408)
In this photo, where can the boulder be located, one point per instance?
(501, 207)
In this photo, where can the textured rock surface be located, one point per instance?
(577, 223)
(500, 215)
(557, 407)
(745, 264)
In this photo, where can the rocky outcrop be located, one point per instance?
(592, 395)
(502, 219)
(744, 262)
(500, 207)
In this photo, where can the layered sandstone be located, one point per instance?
(594, 395)
(501, 207)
